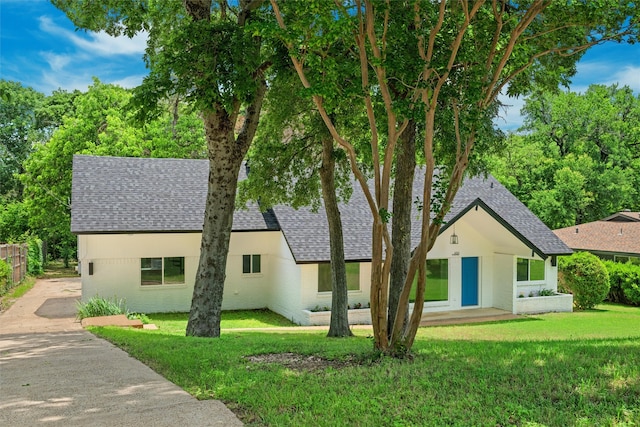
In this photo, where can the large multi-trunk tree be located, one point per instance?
(453, 59)
(209, 52)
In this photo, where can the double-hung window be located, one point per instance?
(162, 271)
(251, 264)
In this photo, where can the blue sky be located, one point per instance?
(40, 48)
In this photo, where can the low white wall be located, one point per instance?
(553, 303)
(360, 316)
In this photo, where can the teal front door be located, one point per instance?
(469, 281)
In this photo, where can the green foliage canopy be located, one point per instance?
(579, 159)
(100, 124)
(18, 132)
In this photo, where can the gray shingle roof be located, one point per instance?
(307, 232)
(126, 195)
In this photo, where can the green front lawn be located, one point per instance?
(554, 369)
(176, 323)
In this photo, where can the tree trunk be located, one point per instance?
(226, 152)
(401, 225)
(339, 325)
(224, 167)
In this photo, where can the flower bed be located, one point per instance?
(544, 304)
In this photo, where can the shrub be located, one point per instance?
(140, 316)
(584, 275)
(99, 306)
(6, 277)
(34, 256)
(625, 282)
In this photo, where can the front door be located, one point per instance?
(469, 281)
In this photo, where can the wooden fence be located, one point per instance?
(16, 257)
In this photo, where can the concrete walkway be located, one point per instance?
(54, 373)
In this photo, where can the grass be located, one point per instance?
(14, 293)
(57, 270)
(571, 369)
(176, 323)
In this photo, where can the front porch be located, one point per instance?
(473, 315)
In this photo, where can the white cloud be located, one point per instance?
(64, 80)
(103, 44)
(627, 76)
(606, 73)
(81, 56)
(129, 82)
(97, 43)
(56, 62)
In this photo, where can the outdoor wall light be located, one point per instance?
(454, 237)
(90, 269)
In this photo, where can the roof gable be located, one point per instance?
(503, 206)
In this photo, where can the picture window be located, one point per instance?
(325, 280)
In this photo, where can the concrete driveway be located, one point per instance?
(54, 373)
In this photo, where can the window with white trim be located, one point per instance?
(251, 264)
(529, 270)
(162, 271)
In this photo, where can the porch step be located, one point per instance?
(452, 319)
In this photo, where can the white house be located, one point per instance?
(139, 224)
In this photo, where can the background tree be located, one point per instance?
(578, 160)
(27, 120)
(466, 53)
(99, 123)
(208, 52)
(19, 131)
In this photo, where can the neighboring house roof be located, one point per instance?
(603, 236)
(142, 195)
(129, 195)
(624, 216)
